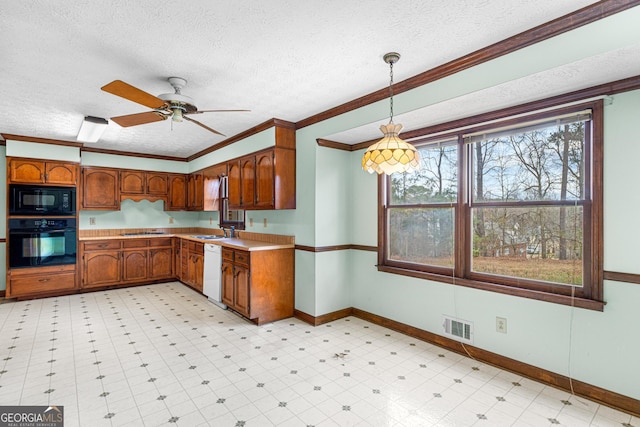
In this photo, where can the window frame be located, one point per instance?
(590, 294)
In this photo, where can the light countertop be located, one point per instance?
(231, 242)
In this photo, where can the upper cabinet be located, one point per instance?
(100, 188)
(265, 179)
(177, 200)
(35, 171)
(138, 185)
(213, 176)
(195, 192)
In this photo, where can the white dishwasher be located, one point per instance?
(212, 287)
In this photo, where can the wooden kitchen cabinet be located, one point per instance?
(258, 284)
(161, 263)
(247, 182)
(100, 188)
(41, 281)
(195, 192)
(212, 181)
(264, 180)
(140, 185)
(132, 182)
(235, 280)
(134, 260)
(192, 264)
(157, 183)
(126, 261)
(177, 200)
(234, 184)
(101, 263)
(35, 171)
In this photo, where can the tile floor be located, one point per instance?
(163, 355)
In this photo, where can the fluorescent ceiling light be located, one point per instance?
(92, 129)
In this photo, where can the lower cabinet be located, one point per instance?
(235, 280)
(101, 263)
(40, 281)
(192, 264)
(258, 284)
(126, 261)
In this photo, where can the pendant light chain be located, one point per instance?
(391, 90)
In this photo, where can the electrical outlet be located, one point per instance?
(250, 222)
(170, 220)
(501, 325)
(210, 220)
(264, 222)
(92, 220)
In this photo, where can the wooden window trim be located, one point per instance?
(589, 296)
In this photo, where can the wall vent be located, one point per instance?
(458, 329)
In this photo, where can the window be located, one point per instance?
(513, 207)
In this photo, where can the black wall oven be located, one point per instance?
(41, 242)
(41, 200)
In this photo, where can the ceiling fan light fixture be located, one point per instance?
(177, 113)
(391, 154)
(92, 129)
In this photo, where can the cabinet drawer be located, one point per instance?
(37, 283)
(196, 247)
(241, 258)
(227, 254)
(160, 242)
(135, 243)
(101, 244)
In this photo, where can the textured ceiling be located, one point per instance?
(282, 58)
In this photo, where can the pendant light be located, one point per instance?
(391, 154)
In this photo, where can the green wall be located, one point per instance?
(337, 205)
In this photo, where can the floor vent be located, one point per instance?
(458, 329)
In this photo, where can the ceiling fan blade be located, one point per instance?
(132, 93)
(202, 125)
(215, 111)
(139, 118)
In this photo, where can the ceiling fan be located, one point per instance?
(174, 105)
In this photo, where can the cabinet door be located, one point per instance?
(132, 182)
(197, 274)
(233, 184)
(61, 173)
(160, 263)
(264, 181)
(241, 285)
(134, 265)
(226, 279)
(26, 171)
(248, 180)
(211, 181)
(101, 268)
(184, 261)
(157, 184)
(195, 195)
(100, 189)
(177, 192)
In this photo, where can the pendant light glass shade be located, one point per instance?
(391, 154)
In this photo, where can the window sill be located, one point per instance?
(503, 289)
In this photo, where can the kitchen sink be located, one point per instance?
(208, 237)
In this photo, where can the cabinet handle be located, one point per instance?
(44, 280)
(236, 273)
(103, 245)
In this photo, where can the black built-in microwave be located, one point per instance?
(41, 200)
